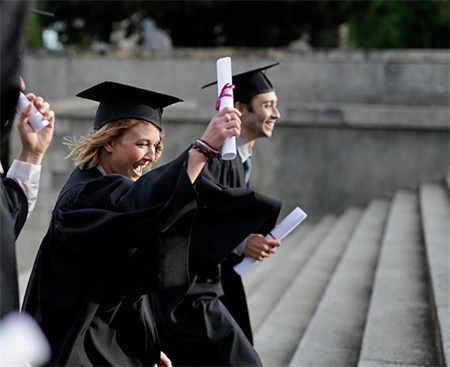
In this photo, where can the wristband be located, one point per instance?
(204, 148)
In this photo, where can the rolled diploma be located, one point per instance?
(286, 226)
(36, 119)
(22, 342)
(223, 77)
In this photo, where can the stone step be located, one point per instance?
(398, 327)
(282, 329)
(262, 303)
(334, 335)
(435, 210)
(257, 273)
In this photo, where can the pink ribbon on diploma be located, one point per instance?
(223, 93)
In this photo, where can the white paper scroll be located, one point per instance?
(22, 343)
(286, 226)
(36, 119)
(224, 77)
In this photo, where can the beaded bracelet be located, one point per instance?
(203, 147)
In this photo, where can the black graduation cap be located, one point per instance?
(120, 101)
(250, 83)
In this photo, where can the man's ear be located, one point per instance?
(242, 107)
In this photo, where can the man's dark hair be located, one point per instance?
(250, 106)
(249, 103)
(7, 110)
(12, 20)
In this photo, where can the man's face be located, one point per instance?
(259, 120)
(131, 152)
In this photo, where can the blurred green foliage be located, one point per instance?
(33, 34)
(402, 24)
(376, 24)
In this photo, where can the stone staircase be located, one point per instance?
(368, 288)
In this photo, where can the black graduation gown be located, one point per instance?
(13, 202)
(197, 329)
(13, 213)
(116, 249)
(230, 173)
(89, 290)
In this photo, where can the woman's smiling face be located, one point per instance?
(132, 151)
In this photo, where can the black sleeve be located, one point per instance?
(167, 187)
(124, 211)
(225, 218)
(13, 213)
(228, 173)
(16, 203)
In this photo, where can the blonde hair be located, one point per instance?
(86, 150)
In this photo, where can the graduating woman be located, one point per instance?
(129, 265)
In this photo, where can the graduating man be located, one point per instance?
(13, 203)
(18, 196)
(255, 98)
(128, 266)
(19, 188)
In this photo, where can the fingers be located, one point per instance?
(165, 361)
(45, 108)
(31, 96)
(231, 123)
(272, 242)
(260, 247)
(26, 113)
(273, 245)
(229, 115)
(261, 257)
(42, 106)
(230, 110)
(50, 117)
(222, 126)
(256, 236)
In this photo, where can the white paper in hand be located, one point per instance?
(288, 224)
(281, 230)
(22, 343)
(36, 119)
(225, 99)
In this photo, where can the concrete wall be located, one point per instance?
(354, 125)
(400, 78)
